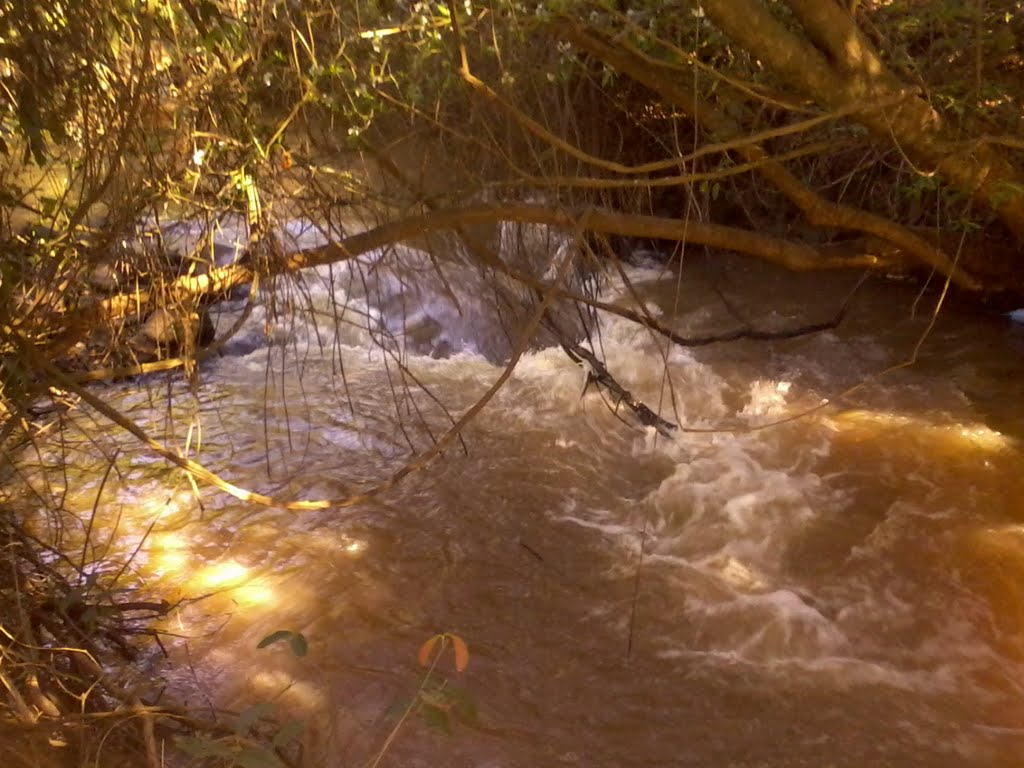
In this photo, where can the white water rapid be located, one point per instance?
(841, 589)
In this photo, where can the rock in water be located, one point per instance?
(168, 332)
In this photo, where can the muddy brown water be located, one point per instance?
(842, 589)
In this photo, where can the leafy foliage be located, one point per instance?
(257, 740)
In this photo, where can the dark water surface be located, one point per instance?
(842, 589)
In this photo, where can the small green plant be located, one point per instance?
(438, 702)
(247, 746)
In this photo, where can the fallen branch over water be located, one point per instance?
(219, 281)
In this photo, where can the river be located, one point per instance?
(841, 589)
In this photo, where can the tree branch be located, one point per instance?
(818, 211)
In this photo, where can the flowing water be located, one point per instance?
(845, 588)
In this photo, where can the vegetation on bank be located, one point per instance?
(816, 134)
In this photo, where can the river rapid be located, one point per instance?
(845, 588)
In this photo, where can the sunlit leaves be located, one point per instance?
(423, 657)
(459, 649)
(461, 653)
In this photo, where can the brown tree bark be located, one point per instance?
(794, 256)
(836, 65)
(665, 80)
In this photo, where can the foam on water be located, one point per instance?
(759, 551)
(719, 526)
(720, 529)
(399, 298)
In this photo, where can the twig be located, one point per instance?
(636, 591)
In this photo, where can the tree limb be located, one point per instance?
(666, 82)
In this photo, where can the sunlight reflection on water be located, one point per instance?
(843, 584)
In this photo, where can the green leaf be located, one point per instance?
(300, 647)
(437, 718)
(250, 715)
(274, 637)
(436, 698)
(49, 205)
(30, 120)
(208, 11)
(288, 733)
(256, 757)
(296, 641)
(462, 705)
(203, 747)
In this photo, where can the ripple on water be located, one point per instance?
(839, 589)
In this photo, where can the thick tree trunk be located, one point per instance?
(837, 67)
(665, 80)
